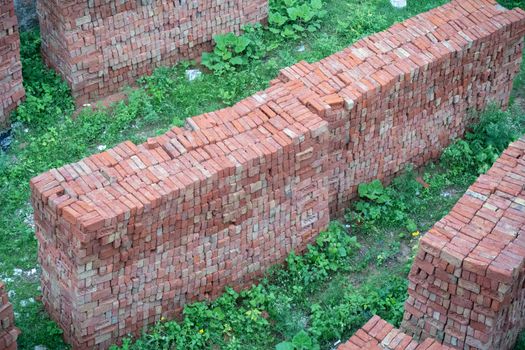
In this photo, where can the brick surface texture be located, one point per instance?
(100, 46)
(11, 89)
(8, 331)
(467, 284)
(378, 334)
(136, 232)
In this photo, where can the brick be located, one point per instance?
(487, 290)
(117, 43)
(11, 89)
(8, 332)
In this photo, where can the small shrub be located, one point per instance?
(484, 143)
(230, 51)
(48, 98)
(380, 205)
(291, 19)
(301, 341)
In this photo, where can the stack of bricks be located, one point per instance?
(101, 46)
(467, 284)
(136, 232)
(410, 89)
(11, 88)
(8, 331)
(378, 334)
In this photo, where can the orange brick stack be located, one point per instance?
(410, 89)
(136, 232)
(100, 46)
(378, 334)
(8, 331)
(467, 284)
(11, 88)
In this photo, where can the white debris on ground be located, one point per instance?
(446, 194)
(399, 3)
(27, 302)
(192, 74)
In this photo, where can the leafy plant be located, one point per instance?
(486, 140)
(292, 19)
(230, 52)
(301, 341)
(377, 204)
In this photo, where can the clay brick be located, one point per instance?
(8, 332)
(100, 47)
(11, 89)
(486, 308)
(389, 339)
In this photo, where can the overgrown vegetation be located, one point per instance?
(326, 295)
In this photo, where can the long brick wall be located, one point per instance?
(467, 284)
(8, 331)
(136, 232)
(101, 46)
(378, 334)
(11, 88)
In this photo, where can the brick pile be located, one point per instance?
(410, 89)
(136, 232)
(467, 284)
(377, 334)
(11, 88)
(100, 46)
(8, 331)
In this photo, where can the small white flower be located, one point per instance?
(101, 147)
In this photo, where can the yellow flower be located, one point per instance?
(201, 331)
(163, 318)
(415, 234)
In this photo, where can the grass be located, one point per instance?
(46, 136)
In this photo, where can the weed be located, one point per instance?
(292, 19)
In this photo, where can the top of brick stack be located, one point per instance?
(485, 231)
(126, 180)
(378, 334)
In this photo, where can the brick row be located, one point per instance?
(378, 334)
(467, 284)
(11, 89)
(8, 332)
(99, 47)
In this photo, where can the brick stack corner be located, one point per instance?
(99, 47)
(11, 89)
(377, 334)
(136, 232)
(467, 284)
(8, 332)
